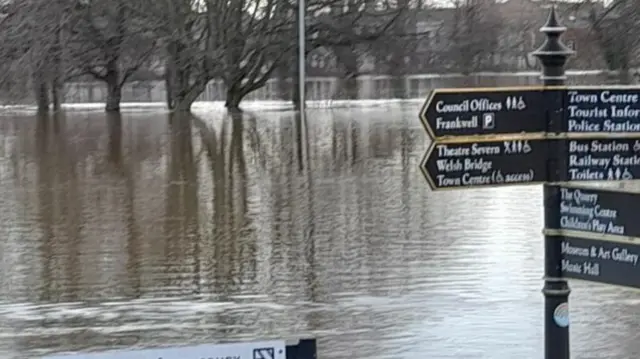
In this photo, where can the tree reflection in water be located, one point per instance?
(182, 236)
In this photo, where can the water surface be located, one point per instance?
(142, 231)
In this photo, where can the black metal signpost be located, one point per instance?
(553, 56)
(550, 134)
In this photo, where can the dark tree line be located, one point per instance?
(615, 29)
(244, 43)
(45, 43)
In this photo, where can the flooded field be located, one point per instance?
(144, 230)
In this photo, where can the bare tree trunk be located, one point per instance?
(350, 84)
(184, 103)
(114, 96)
(114, 87)
(234, 97)
(397, 87)
(184, 97)
(282, 75)
(624, 76)
(41, 89)
(185, 94)
(348, 56)
(56, 94)
(56, 57)
(168, 87)
(182, 90)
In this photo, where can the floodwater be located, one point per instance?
(143, 232)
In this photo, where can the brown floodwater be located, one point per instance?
(143, 230)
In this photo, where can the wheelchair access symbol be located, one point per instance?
(264, 353)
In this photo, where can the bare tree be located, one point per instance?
(519, 35)
(474, 34)
(185, 30)
(242, 42)
(111, 40)
(33, 43)
(615, 28)
(397, 46)
(350, 28)
(256, 37)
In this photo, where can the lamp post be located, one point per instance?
(301, 56)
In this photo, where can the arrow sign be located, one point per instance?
(593, 228)
(477, 164)
(467, 112)
(601, 159)
(602, 109)
(598, 211)
(600, 261)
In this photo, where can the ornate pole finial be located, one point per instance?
(553, 54)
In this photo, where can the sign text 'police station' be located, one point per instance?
(602, 110)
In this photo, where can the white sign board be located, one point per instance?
(251, 350)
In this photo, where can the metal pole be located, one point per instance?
(301, 56)
(553, 56)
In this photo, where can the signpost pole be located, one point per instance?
(553, 56)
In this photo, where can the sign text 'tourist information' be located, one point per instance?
(601, 110)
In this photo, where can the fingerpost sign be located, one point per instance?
(549, 134)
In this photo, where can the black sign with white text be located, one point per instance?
(602, 110)
(600, 261)
(595, 210)
(601, 160)
(470, 112)
(475, 164)
(485, 163)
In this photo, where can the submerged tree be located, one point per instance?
(238, 42)
(111, 41)
(352, 28)
(33, 45)
(56, 40)
(256, 39)
(185, 28)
